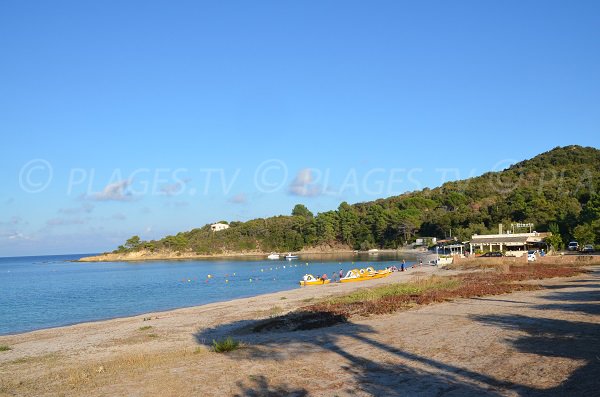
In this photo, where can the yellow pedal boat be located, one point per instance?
(364, 274)
(309, 279)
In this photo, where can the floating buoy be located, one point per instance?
(250, 280)
(209, 276)
(262, 270)
(284, 267)
(226, 281)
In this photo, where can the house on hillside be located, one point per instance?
(217, 227)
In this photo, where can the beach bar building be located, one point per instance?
(512, 244)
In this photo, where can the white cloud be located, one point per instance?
(84, 208)
(172, 189)
(18, 236)
(65, 221)
(14, 221)
(239, 199)
(303, 184)
(114, 192)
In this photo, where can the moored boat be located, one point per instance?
(290, 256)
(309, 279)
(364, 274)
(273, 255)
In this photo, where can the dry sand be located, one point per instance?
(544, 342)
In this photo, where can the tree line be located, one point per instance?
(556, 191)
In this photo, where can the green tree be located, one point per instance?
(301, 210)
(348, 223)
(555, 240)
(327, 224)
(133, 242)
(584, 234)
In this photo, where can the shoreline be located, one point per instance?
(143, 256)
(418, 350)
(317, 292)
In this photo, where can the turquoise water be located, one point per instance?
(49, 291)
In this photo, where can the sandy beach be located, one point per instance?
(542, 342)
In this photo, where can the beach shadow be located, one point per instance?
(576, 340)
(417, 375)
(259, 386)
(407, 373)
(499, 300)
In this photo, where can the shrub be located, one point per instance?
(225, 345)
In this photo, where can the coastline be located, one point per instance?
(292, 296)
(451, 345)
(142, 256)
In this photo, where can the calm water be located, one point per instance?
(49, 291)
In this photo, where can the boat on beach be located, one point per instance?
(364, 274)
(309, 279)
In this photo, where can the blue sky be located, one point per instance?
(122, 118)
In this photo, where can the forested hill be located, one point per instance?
(555, 191)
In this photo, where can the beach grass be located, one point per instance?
(4, 348)
(401, 296)
(411, 288)
(145, 328)
(225, 345)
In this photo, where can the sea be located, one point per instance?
(39, 292)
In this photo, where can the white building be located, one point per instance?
(216, 227)
(514, 244)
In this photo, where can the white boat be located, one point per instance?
(289, 256)
(273, 255)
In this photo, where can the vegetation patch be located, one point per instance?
(394, 297)
(145, 328)
(225, 345)
(4, 348)
(553, 190)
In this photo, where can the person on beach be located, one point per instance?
(421, 263)
(324, 277)
(341, 273)
(402, 266)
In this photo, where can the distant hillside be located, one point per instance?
(555, 191)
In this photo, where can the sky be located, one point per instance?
(154, 117)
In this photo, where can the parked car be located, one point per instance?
(587, 248)
(573, 246)
(492, 255)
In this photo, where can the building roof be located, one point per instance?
(499, 239)
(509, 239)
